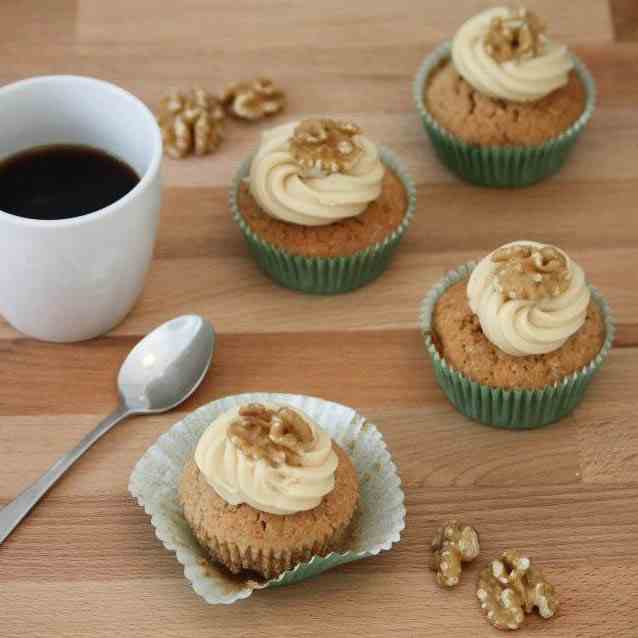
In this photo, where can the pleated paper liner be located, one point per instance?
(500, 166)
(512, 409)
(379, 519)
(325, 275)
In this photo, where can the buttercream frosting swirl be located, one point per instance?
(289, 192)
(277, 489)
(522, 327)
(520, 80)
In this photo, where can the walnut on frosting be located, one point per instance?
(323, 146)
(515, 37)
(531, 273)
(277, 436)
(253, 100)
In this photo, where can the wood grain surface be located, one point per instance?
(86, 562)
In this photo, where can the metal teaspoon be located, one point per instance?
(161, 371)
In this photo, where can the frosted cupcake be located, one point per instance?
(516, 339)
(503, 104)
(321, 206)
(267, 489)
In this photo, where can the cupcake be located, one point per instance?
(321, 206)
(271, 497)
(516, 340)
(503, 104)
(268, 489)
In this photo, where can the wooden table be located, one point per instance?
(86, 562)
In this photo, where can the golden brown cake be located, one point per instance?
(516, 338)
(268, 489)
(319, 188)
(505, 83)
(459, 338)
(243, 538)
(340, 238)
(479, 119)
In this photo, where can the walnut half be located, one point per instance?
(516, 37)
(253, 100)
(510, 587)
(323, 146)
(277, 436)
(527, 272)
(190, 122)
(454, 544)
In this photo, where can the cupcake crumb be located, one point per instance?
(236, 537)
(457, 335)
(339, 239)
(478, 119)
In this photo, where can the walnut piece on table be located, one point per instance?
(191, 123)
(510, 587)
(454, 544)
(253, 100)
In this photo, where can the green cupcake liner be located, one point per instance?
(500, 166)
(512, 409)
(325, 275)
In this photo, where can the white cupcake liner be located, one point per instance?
(380, 514)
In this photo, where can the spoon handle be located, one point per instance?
(16, 510)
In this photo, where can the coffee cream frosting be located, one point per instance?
(521, 327)
(282, 489)
(288, 192)
(522, 80)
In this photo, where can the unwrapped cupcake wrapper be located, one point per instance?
(500, 166)
(516, 408)
(325, 275)
(379, 519)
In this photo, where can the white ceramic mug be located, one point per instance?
(74, 279)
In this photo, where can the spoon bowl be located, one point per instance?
(166, 367)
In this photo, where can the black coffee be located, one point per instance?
(62, 181)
